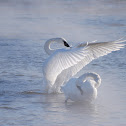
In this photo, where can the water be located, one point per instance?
(24, 27)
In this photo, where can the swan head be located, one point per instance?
(62, 41)
(47, 47)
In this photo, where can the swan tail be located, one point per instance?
(93, 75)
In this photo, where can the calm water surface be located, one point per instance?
(24, 27)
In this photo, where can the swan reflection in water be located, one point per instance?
(63, 64)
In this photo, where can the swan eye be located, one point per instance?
(66, 44)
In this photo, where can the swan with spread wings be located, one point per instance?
(63, 64)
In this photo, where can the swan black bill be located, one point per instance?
(81, 91)
(66, 44)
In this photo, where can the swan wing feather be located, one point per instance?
(93, 51)
(62, 59)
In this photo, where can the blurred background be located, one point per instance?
(82, 20)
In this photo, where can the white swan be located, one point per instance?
(82, 88)
(62, 64)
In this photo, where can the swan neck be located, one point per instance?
(95, 76)
(47, 47)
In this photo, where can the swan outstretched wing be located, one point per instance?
(91, 51)
(62, 59)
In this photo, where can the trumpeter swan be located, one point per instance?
(82, 89)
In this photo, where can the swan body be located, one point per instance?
(63, 64)
(82, 89)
